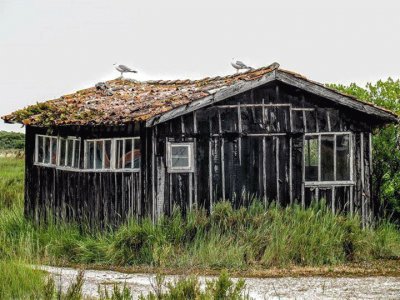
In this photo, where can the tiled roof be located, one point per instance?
(121, 101)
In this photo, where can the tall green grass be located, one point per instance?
(228, 238)
(11, 182)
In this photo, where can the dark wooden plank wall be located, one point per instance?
(98, 198)
(251, 145)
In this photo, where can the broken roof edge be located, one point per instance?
(284, 76)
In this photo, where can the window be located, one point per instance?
(327, 157)
(127, 153)
(69, 153)
(98, 154)
(113, 154)
(46, 150)
(180, 157)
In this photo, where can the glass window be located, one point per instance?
(325, 169)
(180, 157)
(137, 154)
(311, 158)
(127, 153)
(113, 154)
(69, 152)
(327, 158)
(342, 157)
(46, 150)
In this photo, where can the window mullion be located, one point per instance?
(319, 157)
(94, 155)
(123, 153)
(133, 154)
(104, 155)
(73, 153)
(334, 156)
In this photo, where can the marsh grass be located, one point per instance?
(228, 238)
(189, 288)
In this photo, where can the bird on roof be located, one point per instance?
(238, 65)
(123, 69)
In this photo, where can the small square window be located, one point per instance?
(180, 157)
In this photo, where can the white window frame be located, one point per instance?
(78, 141)
(124, 139)
(42, 163)
(113, 158)
(188, 169)
(319, 182)
(75, 141)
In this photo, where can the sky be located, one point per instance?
(51, 48)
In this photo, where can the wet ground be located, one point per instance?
(377, 287)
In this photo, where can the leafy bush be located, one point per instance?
(12, 140)
(386, 150)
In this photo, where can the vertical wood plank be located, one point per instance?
(362, 178)
(291, 170)
(277, 169)
(239, 114)
(264, 170)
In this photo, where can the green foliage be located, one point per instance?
(386, 151)
(12, 140)
(189, 289)
(118, 293)
(11, 182)
(18, 281)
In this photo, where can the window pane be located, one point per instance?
(119, 153)
(180, 162)
(46, 150)
(40, 148)
(137, 154)
(128, 154)
(70, 150)
(342, 157)
(77, 154)
(311, 158)
(327, 157)
(90, 155)
(180, 156)
(53, 151)
(107, 155)
(99, 155)
(63, 144)
(180, 151)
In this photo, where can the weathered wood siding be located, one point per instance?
(100, 198)
(251, 145)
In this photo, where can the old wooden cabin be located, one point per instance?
(129, 149)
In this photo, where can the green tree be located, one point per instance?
(12, 140)
(386, 144)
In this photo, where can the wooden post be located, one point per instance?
(290, 171)
(153, 176)
(264, 171)
(240, 133)
(277, 169)
(222, 155)
(362, 179)
(195, 158)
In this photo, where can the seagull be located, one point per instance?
(123, 69)
(238, 65)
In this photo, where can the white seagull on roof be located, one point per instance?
(124, 69)
(238, 65)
